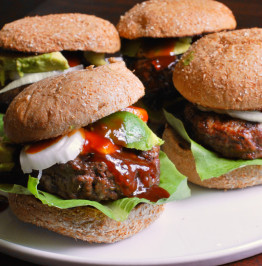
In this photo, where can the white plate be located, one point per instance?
(211, 227)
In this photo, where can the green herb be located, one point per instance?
(187, 60)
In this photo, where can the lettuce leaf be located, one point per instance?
(170, 179)
(208, 164)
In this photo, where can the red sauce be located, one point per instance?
(99, 144)
(133, 173)
(127, 167)
(158, 48)
(161, 51)
(154, 193)
(73, 59)
(41, 145)
(163, 62)
(3, 203)
(140, 112)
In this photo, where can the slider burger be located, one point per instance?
(89, 166)
(33, 48)
(156, 33)
(217, 140)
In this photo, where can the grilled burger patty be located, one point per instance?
(156, 79)
(230, 137)
(83, 178)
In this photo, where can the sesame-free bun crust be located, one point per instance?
(180, 154)
(57, 105)
(85, 223)
(57, 32)
(175, 18)
(225, 71)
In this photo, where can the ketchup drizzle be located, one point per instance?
(133, 173)
(163, 62)
(161, 52)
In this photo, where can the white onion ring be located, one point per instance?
(34, 77)
(65, 149)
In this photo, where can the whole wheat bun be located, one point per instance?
(85, 223)
(57, 32)
(175, 18)
(223, 71)
(57, 105)
(178, 151)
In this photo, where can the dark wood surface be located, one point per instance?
(248, 14)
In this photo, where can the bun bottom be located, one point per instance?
(85, 223)
(178, 151)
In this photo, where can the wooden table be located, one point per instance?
(248, 14)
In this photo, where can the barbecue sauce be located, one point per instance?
(163, 62)
(41, 145)
(73, 58)
(133, 173)
(161, 52)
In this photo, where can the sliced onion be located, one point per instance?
(251, 116)
(117, 58)
(34, 77)
(65, 149)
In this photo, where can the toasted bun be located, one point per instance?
(180, 154)
(175, 18)
(85, 223)
(57, 105)
(51, 33)
(223, 71)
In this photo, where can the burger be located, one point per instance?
(85, 163)
(155, 34)
(33, 48)
(215, 136)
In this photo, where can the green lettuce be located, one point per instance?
(170, 179)
(208, 164)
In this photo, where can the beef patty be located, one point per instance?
(84, 178)
(156, 78)
(230, 137)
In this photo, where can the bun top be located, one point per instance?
(223, 71)
(54, 33)
(175, 18)
(57, 105)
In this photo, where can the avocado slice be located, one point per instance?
(153, 48)
(182, 45)
(128, 130)
(6, 157)
(97, 59)
(131, 47)
(9, 64)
